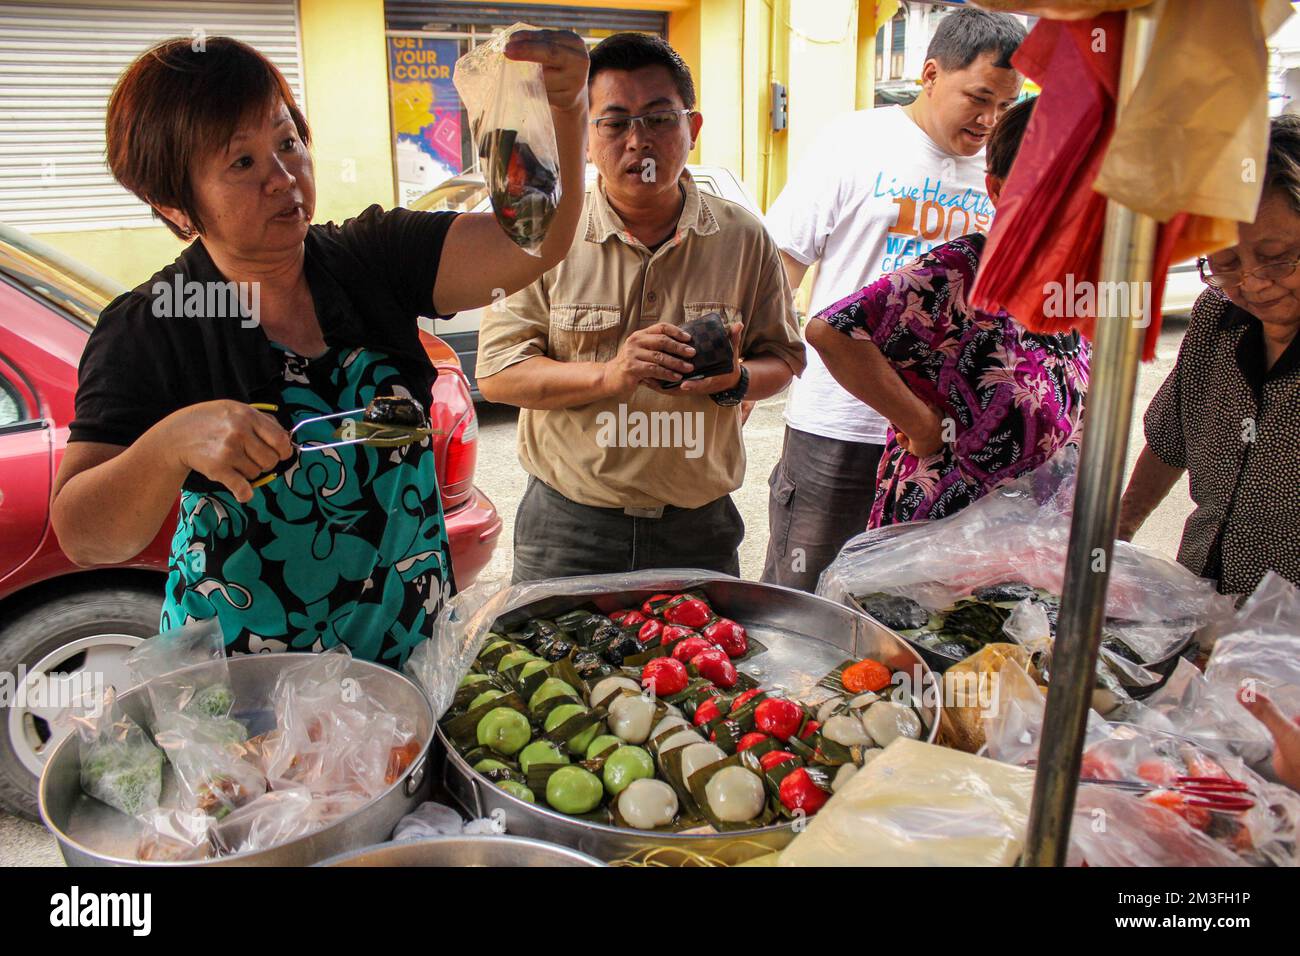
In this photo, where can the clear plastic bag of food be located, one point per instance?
(1114, 828)
(1259, 650)
(173, 835)
(1016, 538)
(212, 770)
(119, 764)
(1152, 767)
(274, 818)
(510, 121)
(333, 734)
(1191, 706)
(185, 670)
(920, 804)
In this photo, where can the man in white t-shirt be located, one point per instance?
(877, 189)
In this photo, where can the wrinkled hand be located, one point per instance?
(229, 442)
(651, 355)
(720, 383)
(564, 61)
(923, 441)
(1286, 735)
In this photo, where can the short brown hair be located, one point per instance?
(1004, 141)
(182, 100)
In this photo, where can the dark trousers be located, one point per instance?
(820, 495)
(556, 537)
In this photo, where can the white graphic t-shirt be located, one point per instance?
(870, 195)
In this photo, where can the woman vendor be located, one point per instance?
(975, 399)
(345, 545)
(1229, 412)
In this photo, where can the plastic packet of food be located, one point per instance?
(510, 121)
(1206, 712)
(920, 804)
(173, 835)
(1114, 828)
(212, 771)
(274, 818)
(1259, 650)
(119, 765)
(1018, 532)
(185, 670)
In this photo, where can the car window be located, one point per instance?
(708, 185)
(456, 195)
(11, 407)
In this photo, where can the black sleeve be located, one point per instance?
(121, 392)
(405, 246)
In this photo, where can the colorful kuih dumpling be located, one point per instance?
(647, 804)
(735, 795)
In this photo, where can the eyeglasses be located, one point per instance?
(660, 121)
(1272, 271)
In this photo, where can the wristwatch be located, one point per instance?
(734, 396)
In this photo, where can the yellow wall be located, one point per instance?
(345, 69)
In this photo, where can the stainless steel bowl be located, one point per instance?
(465, 851)
(91, 833)
(805, 636)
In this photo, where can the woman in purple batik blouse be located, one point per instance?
(975, 399)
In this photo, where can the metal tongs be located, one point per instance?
(353, 431)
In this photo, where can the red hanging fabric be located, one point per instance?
(1043, 259)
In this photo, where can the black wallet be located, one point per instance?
(711, 339)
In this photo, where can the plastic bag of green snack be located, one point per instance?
(185, 671)
(119, 765)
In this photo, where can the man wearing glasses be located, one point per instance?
(1229, 412)
(632, 462)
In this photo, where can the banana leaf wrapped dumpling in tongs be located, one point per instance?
(388, 421)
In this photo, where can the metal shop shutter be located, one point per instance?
(58, 64)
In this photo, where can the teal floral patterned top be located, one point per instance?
(346, 546)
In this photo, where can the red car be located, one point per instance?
(57, 619)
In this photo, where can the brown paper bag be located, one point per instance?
(1194, 134)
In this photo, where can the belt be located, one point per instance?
(657, 511)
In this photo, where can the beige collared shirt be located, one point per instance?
(648, 449)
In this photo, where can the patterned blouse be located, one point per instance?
(1235, 426)
(1014, 397)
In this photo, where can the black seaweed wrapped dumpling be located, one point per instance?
(893, 611)
(395, 410)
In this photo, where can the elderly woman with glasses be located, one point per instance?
(1229, 412)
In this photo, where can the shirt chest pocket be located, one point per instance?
(585, 333)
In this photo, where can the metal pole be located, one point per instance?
(1127, 248)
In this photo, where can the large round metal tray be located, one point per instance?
(91, 833)
(805, 637)
(465, 851)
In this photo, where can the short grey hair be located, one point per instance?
(1283, 168)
